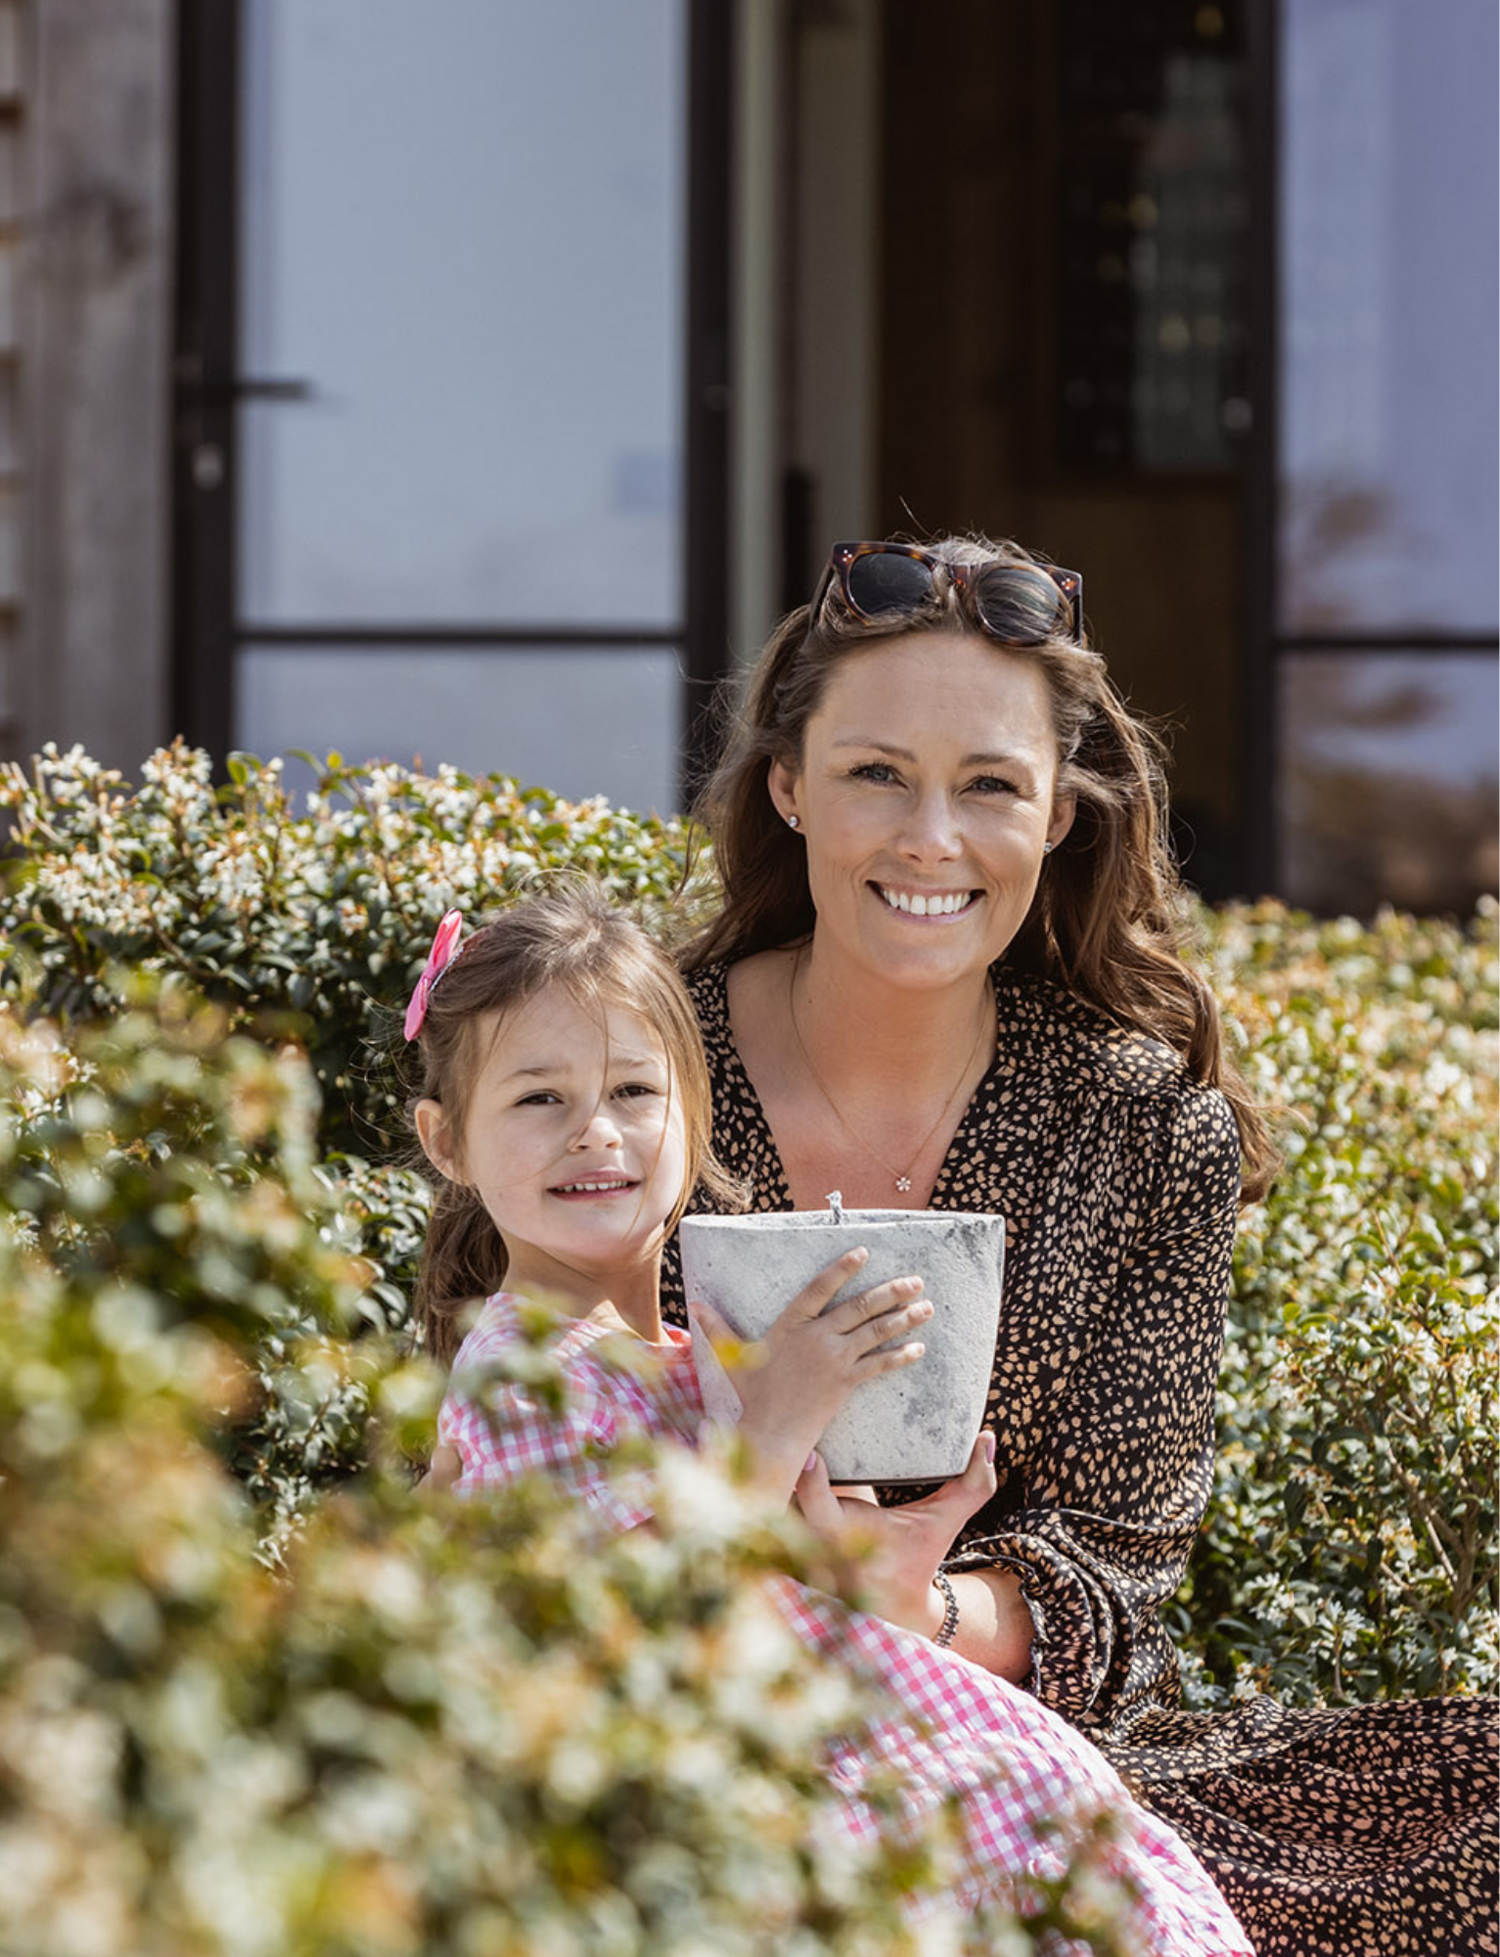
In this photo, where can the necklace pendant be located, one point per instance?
(903, 1183)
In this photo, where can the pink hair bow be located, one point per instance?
(445, 948)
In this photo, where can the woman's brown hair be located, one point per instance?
(572, 937)
(1107, 918)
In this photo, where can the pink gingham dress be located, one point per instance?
(954, 1728)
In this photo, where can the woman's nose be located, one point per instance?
(931, 833)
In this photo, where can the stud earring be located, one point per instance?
(1047, 849)
(792, 823)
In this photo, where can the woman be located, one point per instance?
(946, 974)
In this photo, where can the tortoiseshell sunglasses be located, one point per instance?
(1019, 604)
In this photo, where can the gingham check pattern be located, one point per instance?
(1018, 1770)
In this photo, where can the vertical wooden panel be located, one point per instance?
(95, 352)
(13, 180)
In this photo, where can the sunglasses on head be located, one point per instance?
(1020, 604)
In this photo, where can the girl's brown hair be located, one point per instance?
(575, 938)
(1107, 918)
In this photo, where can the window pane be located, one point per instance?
(1388, 780)
(579, 721)
(463, 228)
(1388, 353)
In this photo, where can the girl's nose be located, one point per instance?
(601, 1130)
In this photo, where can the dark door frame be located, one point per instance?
(209, 384)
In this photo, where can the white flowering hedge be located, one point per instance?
(1351, 1548)
(399, 1729)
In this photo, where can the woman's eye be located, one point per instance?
(873, 771)
(994, 785)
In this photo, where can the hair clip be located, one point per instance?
(445, 948)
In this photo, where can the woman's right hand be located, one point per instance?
(795, 1379)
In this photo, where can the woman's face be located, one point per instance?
(925, 797)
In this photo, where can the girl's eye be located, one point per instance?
(630, 1088)
(544, 1097)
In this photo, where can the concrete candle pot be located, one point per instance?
(917, 1424)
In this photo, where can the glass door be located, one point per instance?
(445, 434)
(1384, 593)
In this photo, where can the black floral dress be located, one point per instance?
(1358, 1831)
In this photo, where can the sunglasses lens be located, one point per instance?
(884, 581)
(1021, 606)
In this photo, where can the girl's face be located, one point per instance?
(574, 1141)
(925, 797)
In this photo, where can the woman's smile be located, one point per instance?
(927, 904)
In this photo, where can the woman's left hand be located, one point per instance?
(892, 1555)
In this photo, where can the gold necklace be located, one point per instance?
(903, 1182)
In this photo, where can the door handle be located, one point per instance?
(223, 390)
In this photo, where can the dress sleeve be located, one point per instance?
(1118, 1484)
(503, 1432)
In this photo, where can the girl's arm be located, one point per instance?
(443, 1470)
(795, 1379)
(799, 1376)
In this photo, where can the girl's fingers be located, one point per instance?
(875, 1365)
(880, 1299)
(811, 1299)
(889, 1325)
(705, 1315)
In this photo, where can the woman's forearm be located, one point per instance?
(994, 1625)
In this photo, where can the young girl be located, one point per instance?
(564, 1103)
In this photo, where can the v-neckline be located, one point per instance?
(750, 1100)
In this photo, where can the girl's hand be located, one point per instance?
(797, 1377)
(442, 1472)
(892, 1555)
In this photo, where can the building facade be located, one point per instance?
(477, 383)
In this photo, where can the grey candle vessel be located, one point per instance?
(918, 1424)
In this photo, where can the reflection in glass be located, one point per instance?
(1152, 217)
(1388, 394)
(1388, 786)
(577, 720)
(462, 228)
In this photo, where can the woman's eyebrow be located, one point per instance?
(1011, 759)
(881, 747)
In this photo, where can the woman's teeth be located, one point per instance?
(593, 1188)
(934, 906)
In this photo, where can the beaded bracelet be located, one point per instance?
(944, 1632)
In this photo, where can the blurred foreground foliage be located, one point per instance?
(238, 1721)
(256, 1697)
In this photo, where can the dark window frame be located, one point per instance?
(207, 633)
(1267, 644)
